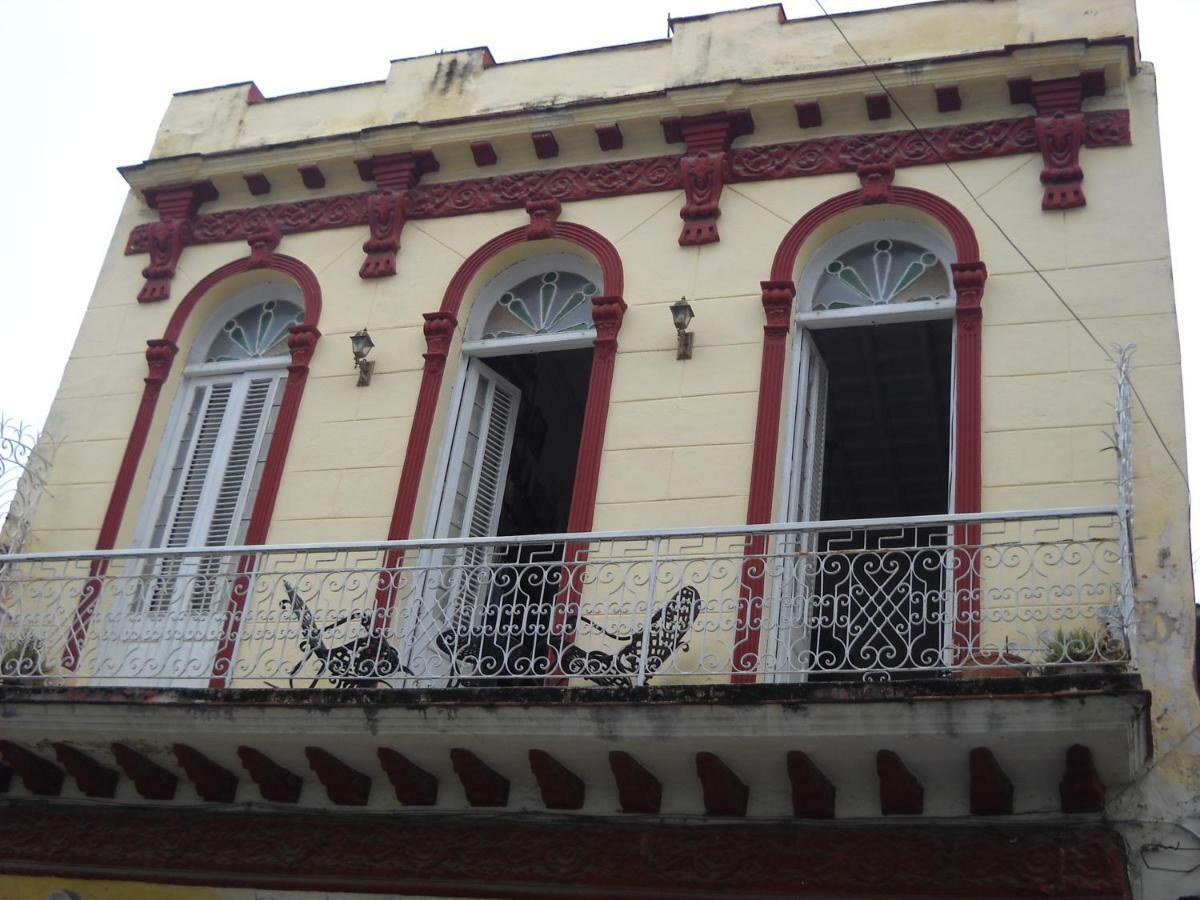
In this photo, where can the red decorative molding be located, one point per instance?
(275, 783)
(165, 239)
(813, 795)
(545, 144)
(817, 156)
(258, 184)
(1062, 130)
(520, 859)
(900, 793)
(777, 306)
(948, 98)
(609, 137)
(482, 784)
(413, 785)
(262, 246)
(561, 788)
(876, 179)
(387, 208)
(808, 115)
(484, 153)
(344, 785)
(724, 793)
(93, 779)
(1081, 789)
(542, 216)
(879, 106)
(213, 782)
(151, 780)
(704, 168)
(637, 788)
(312, 177)
(40, 776)
(990, 789)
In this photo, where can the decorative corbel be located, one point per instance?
(1061, 131)
(302, 341)
(263, 242)
(176, 204)
(876, 179)
(704, 167)
(394, 175)
(543, 213)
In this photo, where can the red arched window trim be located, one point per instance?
(607, 312)
(969, 276)
(160, 354)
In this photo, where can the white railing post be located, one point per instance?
(644, 650)
(1123, 444)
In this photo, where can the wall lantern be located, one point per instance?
(682, 315)
(360, 345)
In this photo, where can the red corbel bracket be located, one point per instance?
(1061, 131)
(394, 175)
(704, 167)
(176, 205)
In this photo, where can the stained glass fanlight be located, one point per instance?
(881, 272)
(549, 303)
(259, 331)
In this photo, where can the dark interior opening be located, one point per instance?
(878, 598)
(512, 630)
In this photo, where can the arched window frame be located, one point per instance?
(476, 346)
(805, 318)
(474, 343)
(855, 236)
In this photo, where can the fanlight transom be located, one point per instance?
(884, 271)
(256, 332)
(548, 303)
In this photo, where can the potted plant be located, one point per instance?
(22, 660)
(1082, 651)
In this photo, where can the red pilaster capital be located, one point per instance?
(777, 299)
(439, 330)
(543, 213)
(302, 341)
(159, 356)
(607, 315)
(969, 279)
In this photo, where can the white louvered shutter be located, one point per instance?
(220, 456)
(810, 455)
(475, 481)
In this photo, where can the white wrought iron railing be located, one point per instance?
(1035, 591)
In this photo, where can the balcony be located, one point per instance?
(855, 644)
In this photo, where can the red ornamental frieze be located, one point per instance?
(819, 156)
(589, 859)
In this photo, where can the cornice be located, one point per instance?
(1038, 62)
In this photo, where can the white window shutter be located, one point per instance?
(481, 452)
(810, 456)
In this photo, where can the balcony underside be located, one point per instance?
(856, 751)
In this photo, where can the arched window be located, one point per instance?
(871, 438)
(206, 476)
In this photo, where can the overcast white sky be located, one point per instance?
(84, 84)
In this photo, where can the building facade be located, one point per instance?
(747, 463)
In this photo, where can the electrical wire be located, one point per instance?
(1038, 272)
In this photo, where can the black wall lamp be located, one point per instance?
(682, 315)
(361, 345)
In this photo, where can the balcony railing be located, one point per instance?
(1038, 591)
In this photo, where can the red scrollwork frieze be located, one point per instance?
(818, 156)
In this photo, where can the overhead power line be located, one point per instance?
(1024, 257)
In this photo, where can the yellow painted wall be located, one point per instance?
(18, 887)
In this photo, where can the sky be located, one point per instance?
(83, 85)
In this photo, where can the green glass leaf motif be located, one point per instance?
(256, 332)
(549, 303)
(881, 272)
